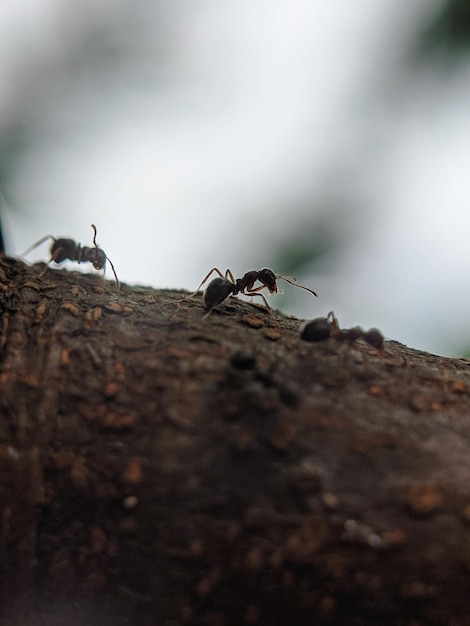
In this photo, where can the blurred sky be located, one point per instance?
(202, 134)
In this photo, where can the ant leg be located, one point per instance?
(53, 258)
(38, 243)
(253, 289)
(208, 313)
(254, 292)
(294, 284)
(331, 317)
(214, 269)
(229, 276)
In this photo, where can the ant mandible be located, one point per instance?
(226, 285)
(63, 249)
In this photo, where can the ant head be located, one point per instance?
(96, 257)
(268, 278)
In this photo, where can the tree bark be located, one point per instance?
(162, 467)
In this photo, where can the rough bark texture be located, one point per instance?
(161, 468)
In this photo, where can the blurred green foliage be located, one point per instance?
(14, 142)
(299, 254)
(449, 30)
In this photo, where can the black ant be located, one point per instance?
(63, 249)
(320, 328)
(226, 285)
(324, 327)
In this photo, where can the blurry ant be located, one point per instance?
(320, 328)
(324, 327)
(63, 249)
(226, 285)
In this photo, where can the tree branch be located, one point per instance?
(159, 467)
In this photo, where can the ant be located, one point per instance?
(63, 249)
(323, 327)
(226, 285)
(320, 328)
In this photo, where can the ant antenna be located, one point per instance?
(118, 286)
(107, 258)
(295, 284)
(94, 236)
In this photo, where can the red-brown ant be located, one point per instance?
(63, 249)
(226, 285)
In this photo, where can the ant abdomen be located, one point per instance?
(63, 249)
(217, 291)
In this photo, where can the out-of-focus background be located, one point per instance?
(326, 140)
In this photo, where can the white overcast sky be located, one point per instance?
(199, 134)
